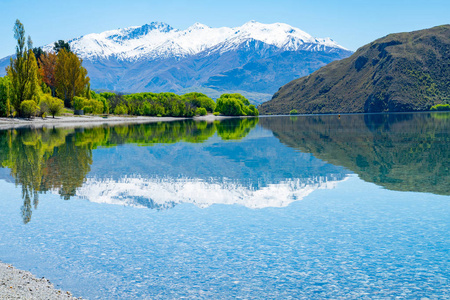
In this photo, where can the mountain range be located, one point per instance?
(254, 59)
(407, 71)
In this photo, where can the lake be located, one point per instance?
(356, 206)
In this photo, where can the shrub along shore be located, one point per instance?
(40, 84)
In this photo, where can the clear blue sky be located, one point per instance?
(352, 23)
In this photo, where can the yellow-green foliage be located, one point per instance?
(441, 107)
(121, 109)
(200, 100)
(201, 111)
(22, 71)
(90, 106)
(162, 104)
(28, 108)
(5, 87)
(235, 105)
(103, 98)
(51, 105)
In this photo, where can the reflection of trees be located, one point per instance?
(44, 160)
(66, 169)
(235, 129)
(31, 154)
(406, 152)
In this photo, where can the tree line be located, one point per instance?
(40, 83)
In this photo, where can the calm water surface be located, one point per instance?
(280, 207)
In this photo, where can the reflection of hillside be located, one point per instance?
(58, 160)
(405, 152)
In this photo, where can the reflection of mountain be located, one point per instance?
(251, 162)
(171, 168)
(405, 152)
(157, 193)
(58, 160)
(248, 172)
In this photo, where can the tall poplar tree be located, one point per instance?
(71, 77)
(23, 70)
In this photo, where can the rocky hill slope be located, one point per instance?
(399, 72)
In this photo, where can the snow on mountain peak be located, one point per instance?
(159, 39)
(198, 26)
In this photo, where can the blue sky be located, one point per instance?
(351, 23)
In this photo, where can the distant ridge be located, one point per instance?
(254, 59)
(400, 72)
(158, 40)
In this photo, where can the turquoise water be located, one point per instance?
(280, 207)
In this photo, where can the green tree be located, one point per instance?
(235, 105)
(59, 45)
(121, 109)
(56, 106)
(23, 70)
(201, 111)
(52, 105)
(230, 106)
(28, 108)
(200, 100)
(5, 86)
(38, 54)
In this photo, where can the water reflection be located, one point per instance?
(160, 165)
(356, 239)
(58, 159)
(404, 152)
(257, 172)
(165, 193)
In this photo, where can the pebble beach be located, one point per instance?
(19, 284)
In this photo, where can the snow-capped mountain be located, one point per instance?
(254, 59)
(159, 40)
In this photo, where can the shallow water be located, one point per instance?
(280, 207)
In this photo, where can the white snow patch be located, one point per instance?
(156, 40)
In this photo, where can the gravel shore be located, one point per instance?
(18, 284)
(75, 121)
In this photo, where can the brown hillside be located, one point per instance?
(400, 72)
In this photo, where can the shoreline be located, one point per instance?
(20, 284)
(93, 121)
(84, 121)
